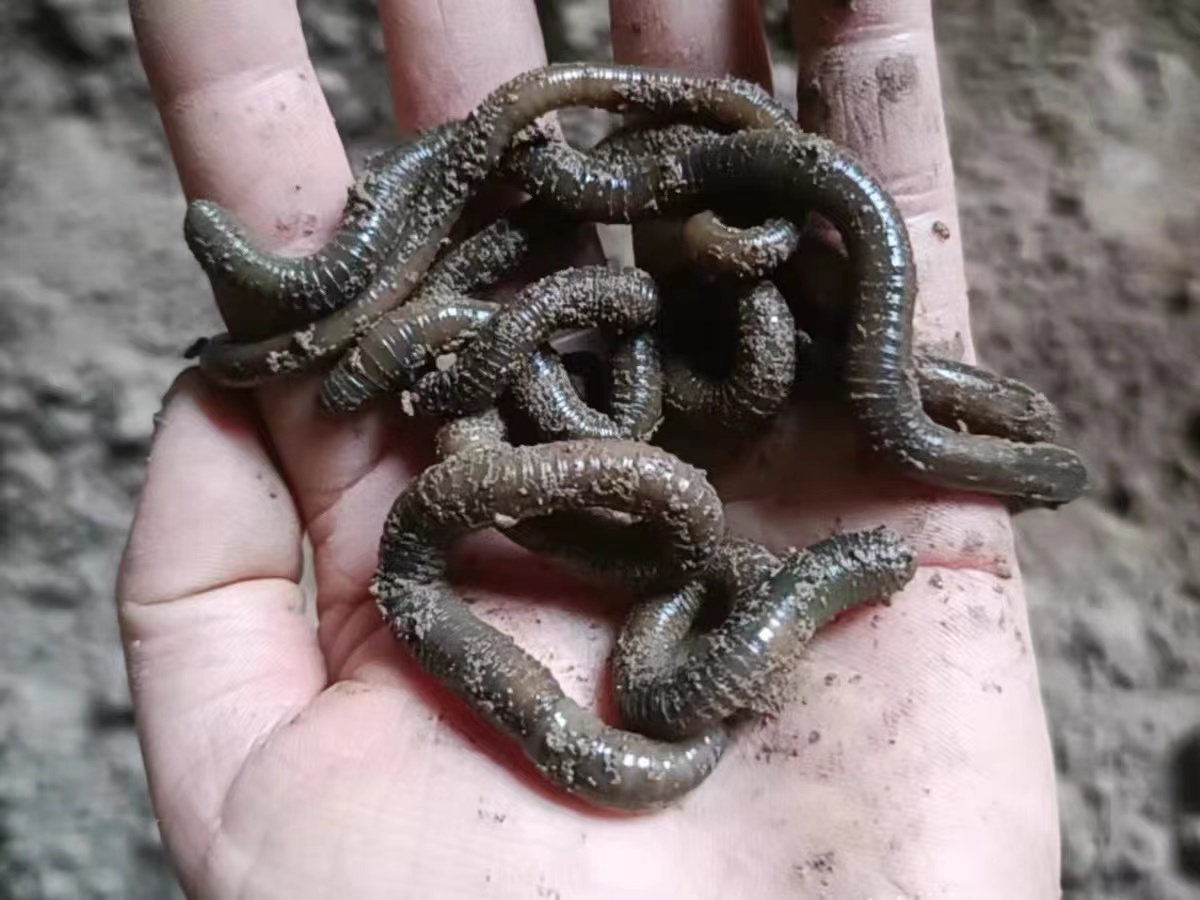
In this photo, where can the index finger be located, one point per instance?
(245, 117)
(868, 78)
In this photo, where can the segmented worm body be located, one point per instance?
(603, 543)
(761, 376)
(498, 680)
(306, 287)
(753, 252)
(543, 391)
(671, 684)
(391, 355)
(963, 396)
(478, 146)
(787, 173)
(573, 298)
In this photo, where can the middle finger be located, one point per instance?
(444, 57)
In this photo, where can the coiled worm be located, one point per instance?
(786, 173)
(499, 681)
(622, 300)
(762, 373)
(670, 684)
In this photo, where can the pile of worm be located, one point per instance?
(557, 450)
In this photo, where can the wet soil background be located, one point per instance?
(1076, 134)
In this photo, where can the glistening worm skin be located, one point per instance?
(389, 355)
(543, 391)
(393, 355)
(790, 174)
(310, 286)
(763, 371)
(499, 681)
(669, 686)
(573, 298)
(741, 252)
(601, 543)
(707, 241)
(479, 144)
(955, 393)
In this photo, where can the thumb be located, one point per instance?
(217, 644)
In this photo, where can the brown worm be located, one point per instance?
(786, 173)
(706, 240)
(753, 252)
(306, 287)
(503, 684)
(390, 355)
(543, 391)
(956, 394)
(600, 543)
(761, 375)
(401, 347)
(671, 684)
(622, 300)
(969, 398)
(472, 156)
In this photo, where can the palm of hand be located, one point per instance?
(288, 763)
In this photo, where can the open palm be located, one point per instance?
(293, 761)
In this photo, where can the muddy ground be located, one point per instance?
(1076, 133)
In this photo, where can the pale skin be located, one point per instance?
(287, 760)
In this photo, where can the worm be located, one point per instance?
(762, 373)
(707, 241)
(474, 153)
(671, 684)
(753, 252)
(392, 356)
(310, 286)
(543, 391)
(787, 173)
(601, 543)
(389, 356)
(501, 683)
(622, 300)
(960, 395)
(955, 394)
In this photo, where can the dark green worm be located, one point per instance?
(390, 357)
(600, 543)
(542, 390)
(762, 373)
(307, 287)
(969, 398)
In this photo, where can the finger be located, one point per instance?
(445, 57)
(217, 643)
(249, 127)
(696, 37)
(245, 118)
(868, 78)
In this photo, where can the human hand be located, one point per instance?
(285, 760)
